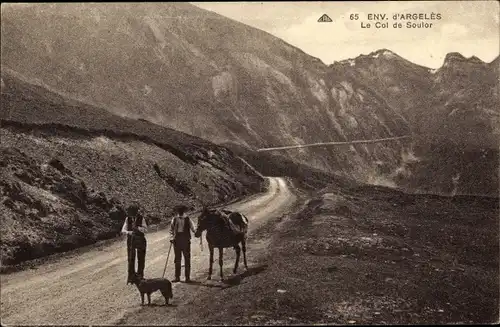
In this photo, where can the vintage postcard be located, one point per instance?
(250, 163)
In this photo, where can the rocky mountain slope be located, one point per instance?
(69, 170)
(452, 111)
(193, 70)
(458, 101)
(201, 73)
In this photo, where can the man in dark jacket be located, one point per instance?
(135, 226)
(180, 229)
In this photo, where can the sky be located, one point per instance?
(468, 27)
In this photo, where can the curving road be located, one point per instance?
(90, 288)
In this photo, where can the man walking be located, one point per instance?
(135, 226)
(180, 229)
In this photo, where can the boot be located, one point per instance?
(187, 270)
(129, 278)
(177, 274)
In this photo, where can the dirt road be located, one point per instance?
(90, 288)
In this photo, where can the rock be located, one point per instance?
(99, 200)
(57, 164)
(25, 176)
(117, 213)
(8, 203)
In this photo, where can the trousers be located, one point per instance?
(136, 247)
(182, 248)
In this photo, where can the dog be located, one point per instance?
(148, 286)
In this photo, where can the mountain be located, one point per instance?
(464, 129)
(70, 170)
(467, 101)
(431, 100)
(453, 113)
(198, 72)
(182, 67)
(400, 82)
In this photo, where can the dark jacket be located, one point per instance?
(135, 235)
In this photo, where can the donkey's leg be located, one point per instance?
(238, 250)
(244, 248)
(211, 260)
(221, 253)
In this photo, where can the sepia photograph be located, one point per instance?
(250, 163)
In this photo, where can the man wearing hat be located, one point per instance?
(180, 229)
(135, 226)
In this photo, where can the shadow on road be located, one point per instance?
(231, 281)
(160, 305)
(205, 284)
(236, 279)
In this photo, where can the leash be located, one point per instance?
(170, 248)
(168, 255)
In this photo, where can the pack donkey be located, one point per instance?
(225, 229)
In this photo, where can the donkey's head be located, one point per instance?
(204, 220)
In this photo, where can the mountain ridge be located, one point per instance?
(239, 84)
(449, 56)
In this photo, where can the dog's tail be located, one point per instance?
(170, 291)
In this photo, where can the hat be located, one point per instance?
(180, 209)
(133, 209)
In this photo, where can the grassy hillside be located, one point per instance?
(69, 170)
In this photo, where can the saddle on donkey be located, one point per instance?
(234, 221)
